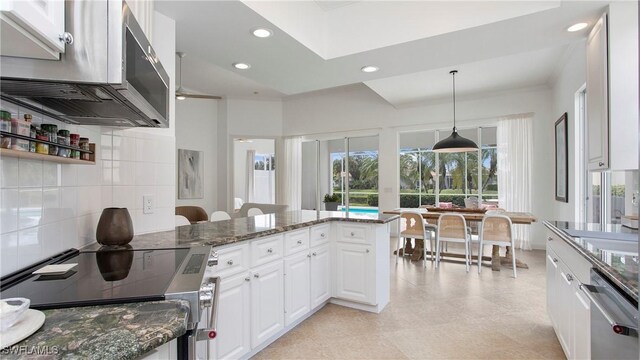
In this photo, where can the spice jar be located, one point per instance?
(40, 147)
(64, 139)
(75, 141)
(5, 125)
(32, 132)
(52, 134)
(20, 127)
(84, 145)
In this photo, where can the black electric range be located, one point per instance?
(122, 275)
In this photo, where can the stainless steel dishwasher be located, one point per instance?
(614, 321)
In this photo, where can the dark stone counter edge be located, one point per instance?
(234, 239)
(603, 267)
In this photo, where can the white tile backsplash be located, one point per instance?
(46, 207)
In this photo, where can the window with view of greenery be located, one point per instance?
(363, 177)
(456, 173)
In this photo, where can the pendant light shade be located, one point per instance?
(455, 142)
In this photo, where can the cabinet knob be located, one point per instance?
(555, 259)
(269, 250)
(314, 254)
(367, 251)
(308, 255)
(549, 238)
(569, 277)
(230, 262)
(322, 235)
(353, 234)
(601, 164)
(256, 275)
(247, 279)
(66, 38)
(299, 242)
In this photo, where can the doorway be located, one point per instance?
(254, 171)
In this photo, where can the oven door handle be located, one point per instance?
(210, 332)
(590, 291)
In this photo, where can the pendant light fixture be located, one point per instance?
(455, 142)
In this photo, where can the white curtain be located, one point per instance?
(249, 186)
(289, 171)
(515, 147)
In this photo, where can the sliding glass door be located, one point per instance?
(346, 168)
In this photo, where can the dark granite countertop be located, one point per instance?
(124, 331)
(612, 250)
(239, 229)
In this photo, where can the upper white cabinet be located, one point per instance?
(33, 29)
(598, 97)
(612, 89)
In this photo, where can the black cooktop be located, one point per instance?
(101, 277)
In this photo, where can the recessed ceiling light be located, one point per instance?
(262, 32)
(577, 27)
(369, 69)
(241, 66)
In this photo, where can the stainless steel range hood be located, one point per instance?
(109, 76)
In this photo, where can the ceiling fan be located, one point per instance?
(181, 94)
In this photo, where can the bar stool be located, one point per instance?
(453, 228)
(497, 229)
(415, 229)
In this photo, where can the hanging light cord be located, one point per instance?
(453, 74)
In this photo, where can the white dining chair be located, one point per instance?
(453, 228)
(254, 212)
(415, 227)
(497, 229)
(219, 216)
(181, 220)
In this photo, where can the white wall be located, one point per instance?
(570, 79)
(197, 129)
(358, 110)
(46, 207)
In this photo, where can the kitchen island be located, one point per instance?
(124, 331)
(276, 270)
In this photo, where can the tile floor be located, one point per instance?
(436, 314)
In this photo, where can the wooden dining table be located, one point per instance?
(432, 214)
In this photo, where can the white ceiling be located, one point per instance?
(494, 50)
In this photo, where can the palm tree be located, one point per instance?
(369, 169)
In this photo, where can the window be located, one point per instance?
(427, 177)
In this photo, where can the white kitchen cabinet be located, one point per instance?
(567, 306)
(355, 270)
(267, 302)
(598, 97)
(320, 275)
(612, 89)
(233, 324)
(297, 291)
(32, 29)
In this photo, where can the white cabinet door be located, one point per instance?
(565, 293)
(296, 287)
(320, 275)
(233, 323)
(355, 268)
(581, 325)
(267, 302)
(598, 97)
(552, 287)
(32, 28)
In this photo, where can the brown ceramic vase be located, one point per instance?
(115, 227)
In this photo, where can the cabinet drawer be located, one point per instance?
(296, 241)
(320, 235)
(232, 260)
(576, 263)
(353, 233)
(266, 250)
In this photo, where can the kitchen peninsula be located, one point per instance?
(276, 270)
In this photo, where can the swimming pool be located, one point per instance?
(361, 210)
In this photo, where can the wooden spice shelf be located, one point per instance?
(36, 156)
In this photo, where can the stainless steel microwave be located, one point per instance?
(110, 75)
